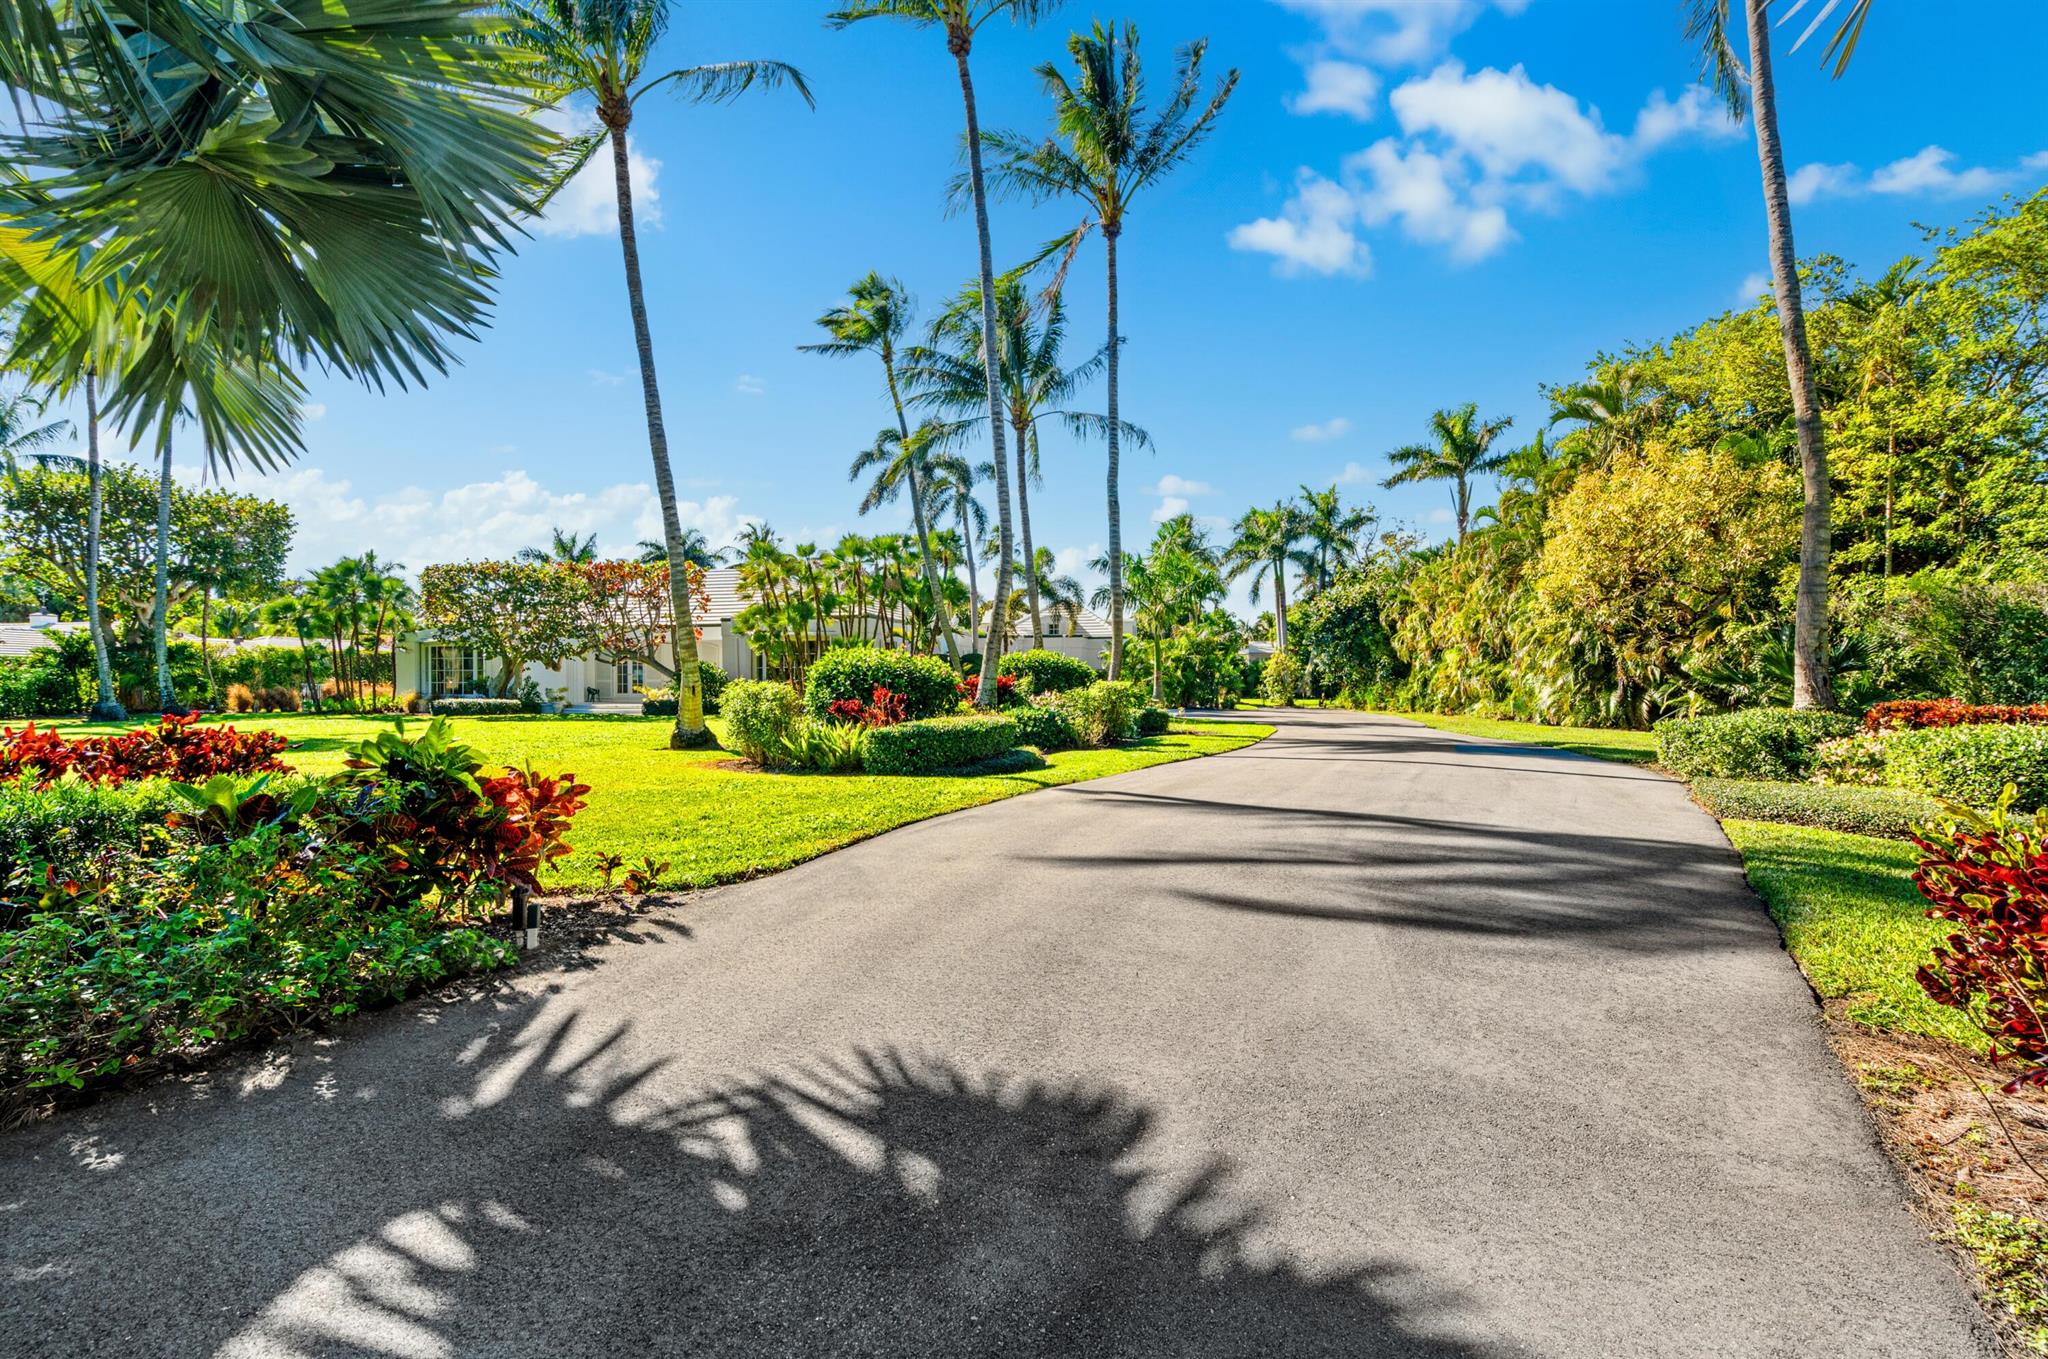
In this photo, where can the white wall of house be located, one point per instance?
(436, 669)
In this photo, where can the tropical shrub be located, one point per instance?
(1044, 727)
(1855, 759)
(1152, 721)
(1759, 743)
(62, 824)
(240, 698)
(711, 681)
(760, 718)
(925, 682)
(828, 747)
(658, 703)
(40, 684)
(476, 707)
(1103, 713)
(177, 748)
(1889, 812)
(1281, 681)
(1988, 875)
(1044, 671)
(882, 709)
(1344, 641)
(271, 667)
(1006, 689)
(1911, 713)
(929, 745)
(1971, 764)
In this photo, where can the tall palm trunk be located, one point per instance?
(106, 708)
(1030, 556)
(205, 622)
(1812, 687)
(1110, 231)
(985, 693)
(1279, 604)
(689, 729)
(1463, 495)
(917, 514)
(973, 580)
(160, 622)
(1157, 695)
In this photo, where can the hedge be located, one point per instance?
(1913, 713)
(760, 718)
(1756, 743)
(1152, 721)
(1971, 764)
(1890, 812)
(1103, 713)
(475, 707)
(69, 820)
(1046, 728)
(1048, 671)
(39, 684)
(926, 682)
(925, 747)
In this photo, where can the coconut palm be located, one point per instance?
(1104, 152)
(1264, 543)
(1460, 451)
(952, 485)
(565, 547)
(874, 320)
(106, 707)
(697, 551)
(1602, 409)
(1333, 532)
(1752, 91)
(598, 49)
(302, 616)
(26, 436)
(961, 20)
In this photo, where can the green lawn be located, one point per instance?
(1853, 920)
(718, 825)
(1630, 747)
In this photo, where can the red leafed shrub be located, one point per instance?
(1989, 876)
(1912, 713)
(178, 749)
(883, 709)
(846, 709)
(534, 814)
(1006, 689)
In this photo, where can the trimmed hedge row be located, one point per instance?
(1153, 721)
(1913, 713)
(475, 707)
(1048, 671)
(1756, 743)
(926, 682)
(927, 746)
(65, 823)
(1046, 728)
(1971, 764)
(1888, 812)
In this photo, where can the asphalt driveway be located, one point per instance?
(1367, 1040)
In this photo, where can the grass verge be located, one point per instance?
(717, 825)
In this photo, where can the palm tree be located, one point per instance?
(1753, 91)
(1105, 152)
(697, 551)
(302, 615)
(1265, 542)
(874, 320)
(1602, 408)
(953, 480)
(599, 49)
(1332, 531)
(23, 437)
(961, 20)
(1459, 453)
(106, 707)
(565, 547)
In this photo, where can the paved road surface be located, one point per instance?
(1366, 1040)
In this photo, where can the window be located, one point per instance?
(628, 677)
(455, 670)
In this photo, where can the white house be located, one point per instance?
(437, 669)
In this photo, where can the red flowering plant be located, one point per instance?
(884, 708)
(1006, 689)
(1911, 713)
(178, 748)
(1988, 875)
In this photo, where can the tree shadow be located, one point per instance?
(875, 1204)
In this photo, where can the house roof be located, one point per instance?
(1089, 625)
(722, 583)
(19, 639)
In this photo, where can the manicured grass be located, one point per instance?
(1853, 921)
(717, 825)
(1607, 743)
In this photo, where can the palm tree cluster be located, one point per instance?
(356, 610)
(869, 590)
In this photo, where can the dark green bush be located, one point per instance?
(1756, 743)
(924, 747)
(1153, 721)
(926, 682)
(69, 821)
(1889, 812)
(476, 707)
(1103, 713)
(1046, 728)
(650, 706)
(761, 718)
(713, 681)
(1971, 764)
(1048, 671)
(39, 684)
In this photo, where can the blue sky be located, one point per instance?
(1406, 205)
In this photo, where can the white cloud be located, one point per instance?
(1474, 145)
(1335, 86)
(1695, 113)
(313, 410)
(588, 204)
(1352, 474)
(1394, 32)
(1809, 182)
(1753, 286)
(1173, 485)
(1440, 515)
(1336, 427)
(1927, 171)
(504, 450)
(605, 378)
(1313, 233)
(1168, 508)
(746, 384)
(481, 519)
(2037, 161)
